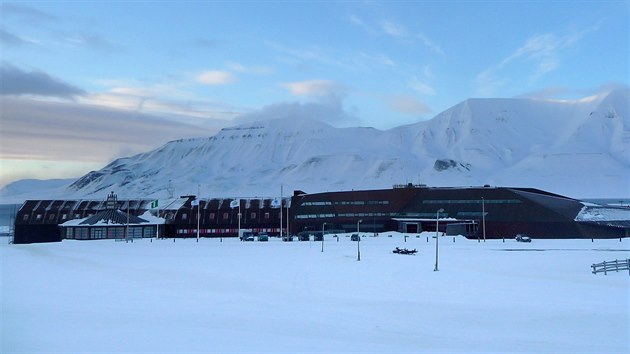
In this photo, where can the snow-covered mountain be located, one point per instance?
(576, 148)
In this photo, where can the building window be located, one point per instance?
(149, 232)
(266, 216)
(51, 217)
(97, 233)
(38, 217)
(25, 217)
(211, 216)
(226, 216)
(184, 216)
(64, 216)
(253, 216)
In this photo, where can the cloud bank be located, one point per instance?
(16, 81)
(329, 109)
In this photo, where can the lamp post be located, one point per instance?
(437, 237)
(323, 227)
(192, 199)
(358, 241)
(483, 216)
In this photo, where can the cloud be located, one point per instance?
(16, 81)
(430, 44)
(536, 57)
(329, 110)
(393, 29)
(422, 88)
(170, 97)
(90, 40)
(44, 139)
(314, 88)
(561, 92)
(27, 13)
(240, 68)
(545, 93)
(68, 131)
(408, 105)
(10, 39)
(215, 77)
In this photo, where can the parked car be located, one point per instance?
(355, 237)
(247, 236)
(318, 237)
(287, 238)
(263, 236)
(523, 238)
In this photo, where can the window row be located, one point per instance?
(342, 215)
(472, 201)
(226, 216)
(94, 233)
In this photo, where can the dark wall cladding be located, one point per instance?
(38, 220)
(505, 212)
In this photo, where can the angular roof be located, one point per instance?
(111, 216)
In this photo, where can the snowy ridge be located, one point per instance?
(576, 148)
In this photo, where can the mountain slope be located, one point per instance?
(577, 148)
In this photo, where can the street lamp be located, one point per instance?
(483, 217)
(437, 237)
(193, 201)
(323, 227)
(358, 241)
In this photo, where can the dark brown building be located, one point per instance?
(495, 212)
(476, 212)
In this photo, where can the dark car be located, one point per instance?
(247, 236)
(523, 238)
(355, 237)
(263, 236)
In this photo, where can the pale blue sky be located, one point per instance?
(84, 82)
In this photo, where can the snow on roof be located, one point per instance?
(114, 217)
(592, 212)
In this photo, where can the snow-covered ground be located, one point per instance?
(212, 296)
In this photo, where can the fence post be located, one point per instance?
(605, 270)
(616, 265)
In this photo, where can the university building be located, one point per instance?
(475, 212)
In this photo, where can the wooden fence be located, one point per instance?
(616, 265)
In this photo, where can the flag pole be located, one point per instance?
(198, 207)
(239, 218)
(157, 224)
(127, 227)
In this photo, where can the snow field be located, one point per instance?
(231, 296)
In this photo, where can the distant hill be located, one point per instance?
(577, 148)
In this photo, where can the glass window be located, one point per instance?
(97, 232)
